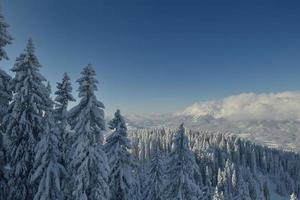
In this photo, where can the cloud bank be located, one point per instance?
(250, 106)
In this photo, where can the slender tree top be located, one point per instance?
(118, 122)
(64, 91)
(87, 88)
(30, 46)
(181, 140)
(28, 60)
(28, 81)
(5, 37)
(87, 83)
(88, 115)
(119, 136)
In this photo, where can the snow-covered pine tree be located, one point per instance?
(62, 99)
(5, 97)
(88, 164)
(293, 197)
(155, 176)
(182, 168)
(123, 180)
(5, 37)
(5, 92)
(48, 170)
(24, 121)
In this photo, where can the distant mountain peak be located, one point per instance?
(250, 106)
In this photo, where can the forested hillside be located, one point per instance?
(229, 166)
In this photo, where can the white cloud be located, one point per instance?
(251, 106)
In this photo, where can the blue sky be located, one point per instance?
(161, 56)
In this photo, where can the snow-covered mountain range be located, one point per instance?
(269, 119)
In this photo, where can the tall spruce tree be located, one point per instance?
(182, 170)
(48, 170)
(24, 121)
(5, 97)
(88, 160)
(62, 99)
(123, 180)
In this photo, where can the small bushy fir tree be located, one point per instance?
(89, 166)
(5, 97)
(123, 179)
(24, 122)
(182, 170)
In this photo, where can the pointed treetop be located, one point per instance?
(30, 46)
(88, 70)
(65, 86)
(49, 87)
(90, 67)
(64, 92)
(28, 57)
(118, 113)
(181, 140)
(66, 77)
(87, 82)
(181, 128)
(118, 122)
